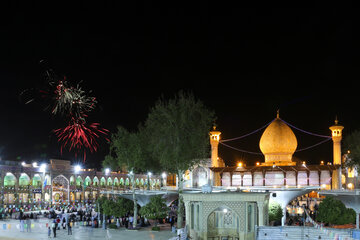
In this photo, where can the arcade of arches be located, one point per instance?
(60, 184)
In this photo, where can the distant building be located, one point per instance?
(278, 144)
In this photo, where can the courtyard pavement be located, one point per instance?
(11, 231)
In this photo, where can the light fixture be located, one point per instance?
(34, 164)
(77, 168)
(257, 163)
(43, 167)
(225, 210)
(240, 164)
(149, 173)
(163, 175)
(23, 164)
(107, 171)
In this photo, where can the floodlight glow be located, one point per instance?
(43, 167)
(149, 173)
(163, 175)
(23, 164)
(107, 171)
(34, 164)
(77, 168)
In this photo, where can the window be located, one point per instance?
(197, 217)
(249, 213)
(192, 216)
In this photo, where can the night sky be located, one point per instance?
(242, 63)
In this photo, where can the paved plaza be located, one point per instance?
(11, 231)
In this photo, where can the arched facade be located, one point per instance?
(60, 184)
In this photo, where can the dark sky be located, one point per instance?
(243, 63)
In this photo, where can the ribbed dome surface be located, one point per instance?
(278, 139)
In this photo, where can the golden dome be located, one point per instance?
(278, 142)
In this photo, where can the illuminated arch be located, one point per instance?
(87, 181)
(109, 181)
(96, 181)
(9, 179)
(79, 181)
(24, 180)
(116, 181)
(36, 181)
(102, 181)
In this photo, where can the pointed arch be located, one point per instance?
(9, 179)
(87, 181)
(116, 181)
(109, 181)
(36, 181)
(79, 181)
(72, 180)
(96, 181)
(24, 179)
(102, 181)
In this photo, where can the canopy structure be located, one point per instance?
(143, 197)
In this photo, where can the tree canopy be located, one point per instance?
(275, 211)
(333, 211)
(351, 145)
(178, 132)
(155, 209)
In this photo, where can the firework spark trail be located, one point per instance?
(77, 135)
(73, 103)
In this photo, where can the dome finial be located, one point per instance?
(336, 120)
(278, 113)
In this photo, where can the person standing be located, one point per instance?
(53, 225)
(49, 232)
(22, 224)
(69, 228)
(28, 224)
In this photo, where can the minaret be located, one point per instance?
(215, 162)
(214, 141)
(336, 133)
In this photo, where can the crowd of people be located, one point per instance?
(66, 217)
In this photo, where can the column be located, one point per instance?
(260, 211)
(283, 219)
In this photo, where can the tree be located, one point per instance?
(127, 152)
(275, 211)
(352, 146)
(121, 207)
(333, 211)
(178, 136)
(155, 209)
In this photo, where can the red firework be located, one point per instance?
(78, 135)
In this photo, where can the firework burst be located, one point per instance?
(74, 103)
(80, 136)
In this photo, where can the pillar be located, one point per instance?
(261, 214)
(357, 220)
